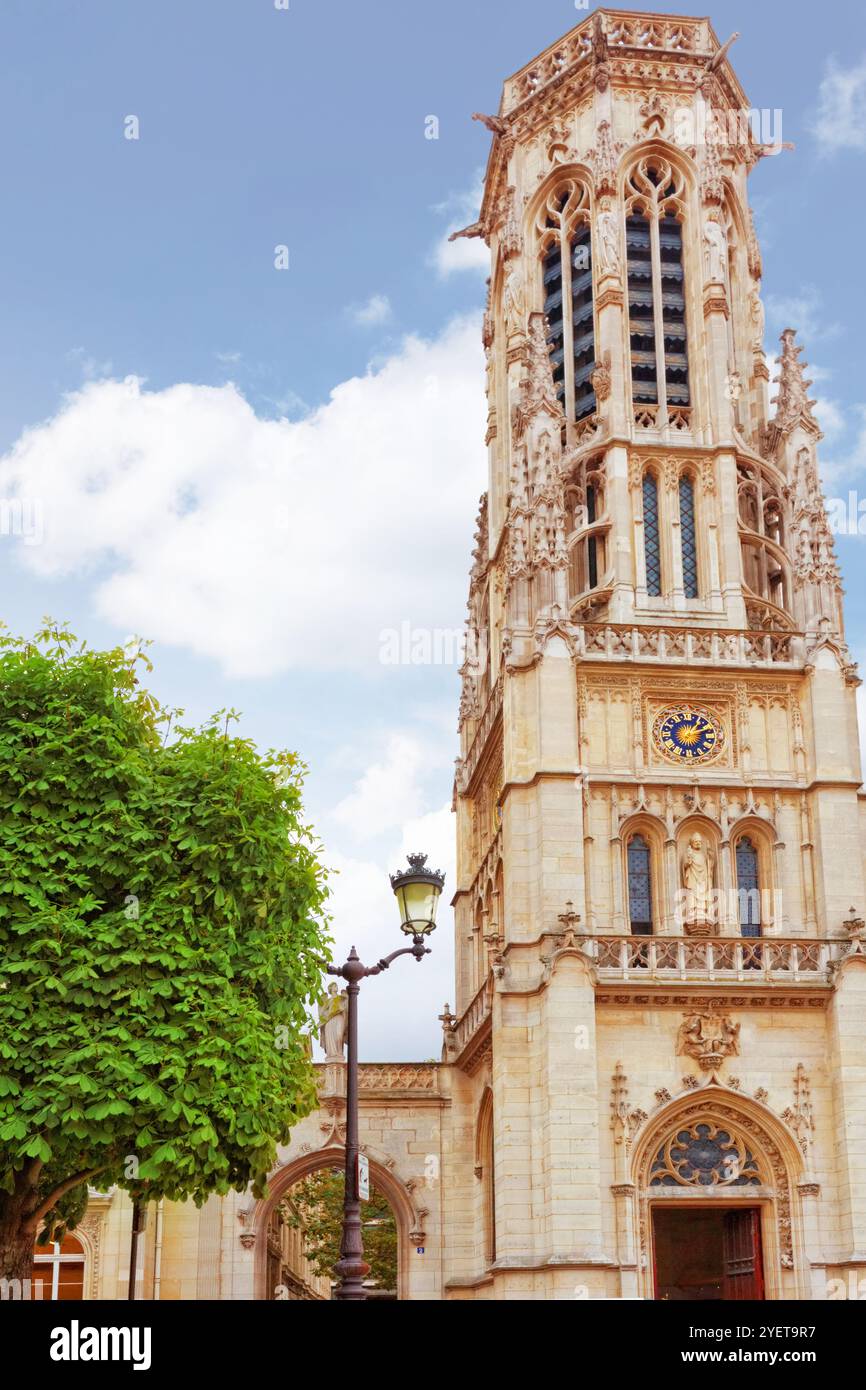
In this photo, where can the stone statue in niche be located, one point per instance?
(512, 301)
(608, 243)
(715, 253)
(697, 882)
(756, 313)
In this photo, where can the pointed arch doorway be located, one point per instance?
(715, 1180)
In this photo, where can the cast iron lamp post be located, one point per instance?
(417, 892)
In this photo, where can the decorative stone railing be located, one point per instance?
(797, 960)
(649, 417)
(397, 1076)
(377, 1076)
(688, 645)
(477, 1013)
(657, 36)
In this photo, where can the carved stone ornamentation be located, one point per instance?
(792, 401)
(653, 112)
(710, 1038)
(625, 1121)
(603, 159)
(601, 378)
(511, 239)
(800, 1116)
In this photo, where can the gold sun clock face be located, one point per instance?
(688, 734)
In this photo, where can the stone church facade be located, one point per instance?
(658, 1041)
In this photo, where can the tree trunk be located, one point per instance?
(17, 1237)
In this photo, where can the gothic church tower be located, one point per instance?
(659, 1047)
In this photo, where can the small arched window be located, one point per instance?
(688, 537)
(640, 907)
(652, 536)
(748, 887)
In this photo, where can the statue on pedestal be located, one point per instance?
(332, 1023)
(697, 876)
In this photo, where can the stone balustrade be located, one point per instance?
(666, 645)
(745, 960)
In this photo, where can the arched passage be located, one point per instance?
(284, 1179)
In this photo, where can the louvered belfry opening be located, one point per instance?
(583, 323)
(641, 311)
(674, 311)
(552, 268)
(656, 288)
(568, 299)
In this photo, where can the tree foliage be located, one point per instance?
(161, 935)
(315, 1206)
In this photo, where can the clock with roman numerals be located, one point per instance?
(688, 734)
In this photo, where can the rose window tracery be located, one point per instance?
(704, 1155)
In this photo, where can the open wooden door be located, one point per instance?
(744, 1268)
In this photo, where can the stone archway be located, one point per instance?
(775, 1166)
(293, 1172)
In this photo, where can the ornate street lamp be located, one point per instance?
(417, 890)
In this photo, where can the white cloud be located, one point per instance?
(387, 792)
(90, 367)
(376, 310)
(467, 253)
(831, 418)
(849, 464)
(840, 122)
(803, 312)
(267, 544)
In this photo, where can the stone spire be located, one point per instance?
(792, 403)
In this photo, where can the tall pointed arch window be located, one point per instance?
(655, 204)
(688, 537)
(566, 261)
(640, 906)
(652, 535)
(748, 887)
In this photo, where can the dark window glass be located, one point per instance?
(651, 537)
(688, 537)
(748, 888)
(639, 887)
(592, 544)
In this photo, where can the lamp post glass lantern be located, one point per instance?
(417, 890)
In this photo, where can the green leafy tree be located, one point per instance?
(161, 937)
(315, 1206)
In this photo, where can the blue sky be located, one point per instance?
(248, 499)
